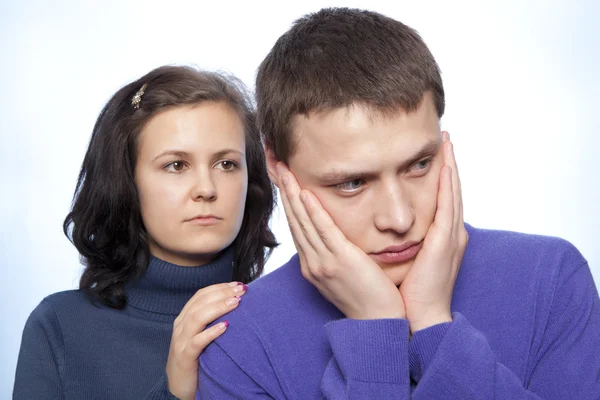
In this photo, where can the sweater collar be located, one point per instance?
(165, 288)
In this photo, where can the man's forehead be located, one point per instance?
(363, 161)
(355, 136)
(347, 114)
(369, 110)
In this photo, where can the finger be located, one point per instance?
(199, 319)
(444, 214)
(450, 160)
(445, 136)
(201, 340)
(303, 262)
(211, 294)
(329, 233)
(299, 241)
(304, 231)
(308, 228)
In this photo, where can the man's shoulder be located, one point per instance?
(288, 273)
(281, 288)
(278, 322)
(277, 303)
(514, 246)
(521, 256)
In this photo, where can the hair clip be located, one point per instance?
(135, 101)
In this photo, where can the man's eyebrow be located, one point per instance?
(335, 175)
(430, 148)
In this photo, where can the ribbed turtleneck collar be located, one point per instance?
(165, 288)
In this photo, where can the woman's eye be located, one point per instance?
(176, 166)
(227, 165)
(351, 186)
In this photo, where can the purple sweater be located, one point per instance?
(526, 325)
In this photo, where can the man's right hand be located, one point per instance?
(341, 271)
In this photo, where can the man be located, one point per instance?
(385, 299)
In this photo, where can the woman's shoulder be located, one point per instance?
(52, 307)
(65, 299)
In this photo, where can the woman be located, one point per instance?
(172, 204)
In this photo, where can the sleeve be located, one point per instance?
(456, 361)
(161, 391)
(40, 365)
(370, 360)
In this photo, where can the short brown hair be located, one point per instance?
(337, 57)
(105, 223)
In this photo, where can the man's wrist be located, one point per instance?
(428, 320)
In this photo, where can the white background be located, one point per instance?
(522, 97)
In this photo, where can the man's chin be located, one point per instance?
(398, 272)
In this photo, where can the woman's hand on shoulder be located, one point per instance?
(190, 335)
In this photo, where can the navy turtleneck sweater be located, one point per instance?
(75, 348)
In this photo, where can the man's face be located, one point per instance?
(377, 176)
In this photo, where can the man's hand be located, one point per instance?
(342, 272)
(428, 286)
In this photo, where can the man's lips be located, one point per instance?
(397, 254)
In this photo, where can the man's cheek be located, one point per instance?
(331, 209)
(336, 211)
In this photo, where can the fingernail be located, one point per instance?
(224, 324)
(285, 180)
(233, 284)
(233, 301)
(240, 288)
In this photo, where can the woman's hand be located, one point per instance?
(190, 337)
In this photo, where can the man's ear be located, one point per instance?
(271, 165)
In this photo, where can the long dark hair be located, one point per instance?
(105, 223)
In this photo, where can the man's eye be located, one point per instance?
(422, 164)
(351, 186)
(175, 166)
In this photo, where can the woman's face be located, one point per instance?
(192, 181)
